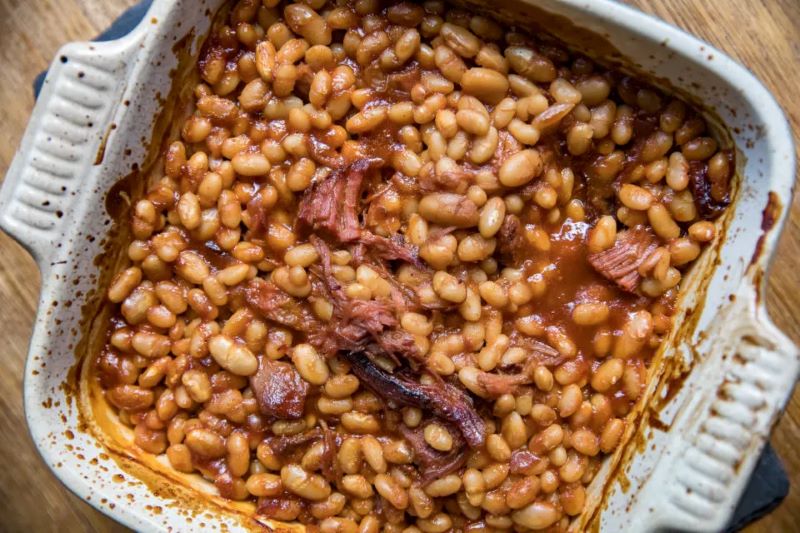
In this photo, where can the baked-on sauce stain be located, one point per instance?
(770, 214)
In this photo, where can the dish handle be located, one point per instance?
(62, 147)
(727, 421)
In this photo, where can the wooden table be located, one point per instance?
(764, 36)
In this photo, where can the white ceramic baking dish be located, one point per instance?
(717, 386)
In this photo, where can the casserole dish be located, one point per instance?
(718, 440)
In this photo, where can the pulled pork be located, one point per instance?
(495, 385)
(360, 325)
(386, 249)
(440, 399)
(539, 353)
(621, 262)
(434, 464)
(363, 325)
(330, 207)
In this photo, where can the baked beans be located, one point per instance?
(371, 204)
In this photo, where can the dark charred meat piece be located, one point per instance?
(510, 240)
(495, 385)
(433, 463)
(441, 399)
(331, 206)
(711, 199)
(620, 263)
(280, 391)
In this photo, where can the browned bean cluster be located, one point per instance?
(480, 126)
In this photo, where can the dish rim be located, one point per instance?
(778, 137)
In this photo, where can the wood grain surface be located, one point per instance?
(764, 36)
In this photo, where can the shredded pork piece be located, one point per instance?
(389, 249)
(359, 325)
(328, 463)
(620, 263)
(272, 303)
(539, 352)
(403, 297)
(441, 399)
(331, 206)
(363, 325)
(495, 385)
(284, 445)
(434, 464)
